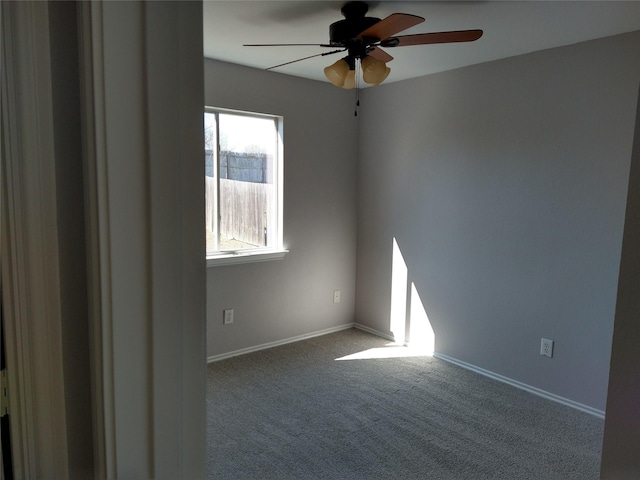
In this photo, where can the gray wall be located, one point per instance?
(277, 300)
(504, 185)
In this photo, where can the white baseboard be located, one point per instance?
(263, 346)
(523, 386)
(514, 383)
(375, 332)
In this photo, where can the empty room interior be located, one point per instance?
(471, 222)
(488, 201)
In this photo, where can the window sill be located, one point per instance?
(234, 258)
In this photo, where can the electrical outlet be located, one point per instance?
(336, 296)
(227, 317)
(546, 347)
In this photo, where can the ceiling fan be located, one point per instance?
(363, 38)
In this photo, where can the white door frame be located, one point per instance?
(29, 248)
(142, 85)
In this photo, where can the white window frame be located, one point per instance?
(258, 254)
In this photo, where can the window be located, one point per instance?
(243, 186)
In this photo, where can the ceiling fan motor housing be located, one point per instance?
(344, 30)
(355, 22)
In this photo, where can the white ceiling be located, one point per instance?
(510, 28)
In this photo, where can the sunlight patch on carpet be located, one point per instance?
(393, 350)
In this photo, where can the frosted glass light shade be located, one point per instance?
(374, 71)
(383, 77)
(337, 73)
(350, 81)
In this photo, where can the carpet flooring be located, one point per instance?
(297, 412)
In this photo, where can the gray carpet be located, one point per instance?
(294, 412)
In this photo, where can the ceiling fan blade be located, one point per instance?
(391, 25)
(430, 38)
(380, 54)
(290, 45)
(305, 58)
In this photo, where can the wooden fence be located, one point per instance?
(243, 209)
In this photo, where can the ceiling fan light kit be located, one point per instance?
(342, 75)
(337, 72)
(362, 38)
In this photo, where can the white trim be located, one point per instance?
(522, 386)
(277, 343)
(235, 258)
(375, 332)
(147, 269)
(98, 238)
(30, 263)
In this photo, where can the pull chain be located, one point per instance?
(355, 114)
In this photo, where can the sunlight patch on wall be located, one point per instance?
(399, 278)
(407, 312)
(421, 334)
